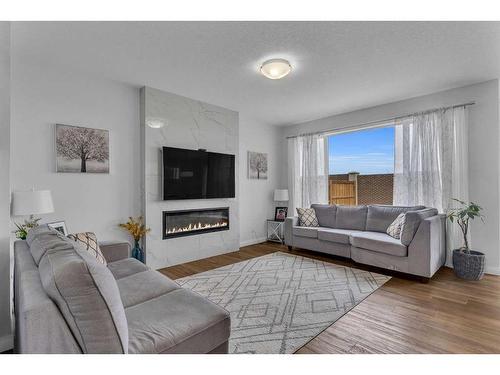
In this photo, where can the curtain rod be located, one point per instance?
(381, 121)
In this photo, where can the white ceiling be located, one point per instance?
(338, 66)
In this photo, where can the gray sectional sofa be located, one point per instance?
(359, 233)
(67, 302)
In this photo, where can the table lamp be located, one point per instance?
(281, 195)
(33, 202)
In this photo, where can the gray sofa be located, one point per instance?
(359, 233)
(67, 302)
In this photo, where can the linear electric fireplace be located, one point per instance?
(190, 222)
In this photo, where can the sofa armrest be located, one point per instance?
(114, 251)
(412, 222)
(427, 250)
(290, 222)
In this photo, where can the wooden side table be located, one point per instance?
(275, 231)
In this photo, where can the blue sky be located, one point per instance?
(366, 151)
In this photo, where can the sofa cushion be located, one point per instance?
(311, 232)
(87, 296)
(351, 217)
(379, 217)
(88, 241)
(336, 235)
(177, 322)
(114, 251)
(307, 217)
(326, 214)
(126, 267)
(412, 222)
(143, 286)
(34, 232)
(379, 242)
(43, 238)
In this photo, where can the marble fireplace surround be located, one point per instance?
(189, 124)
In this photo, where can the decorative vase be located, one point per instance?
(137, 252)
(468, 265)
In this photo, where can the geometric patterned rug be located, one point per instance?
(279, 302)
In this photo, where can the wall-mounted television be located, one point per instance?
(197, 174)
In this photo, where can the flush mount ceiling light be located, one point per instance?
(155, 123)
(275, 68)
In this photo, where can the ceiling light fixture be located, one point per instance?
(275, 68)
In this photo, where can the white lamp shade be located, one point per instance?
(281, 195)
(32, 202)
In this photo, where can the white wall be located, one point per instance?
(193, 125)
(484, 156)
(42, 97)
(5, 326)
(256, 196)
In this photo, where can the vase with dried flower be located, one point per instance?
(137, 229)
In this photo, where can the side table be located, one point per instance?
(275, 230)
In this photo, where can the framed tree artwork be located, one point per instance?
(257, 165)
(81, 150)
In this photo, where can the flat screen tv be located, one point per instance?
(197, 174)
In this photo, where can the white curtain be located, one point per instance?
(431, 162)
(307, 171)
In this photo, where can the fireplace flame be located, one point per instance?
(198, 226)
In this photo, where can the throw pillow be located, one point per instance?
(307, 217)
(88, 241)
(394, 230)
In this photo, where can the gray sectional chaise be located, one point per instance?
(359, 233)
(67, 302)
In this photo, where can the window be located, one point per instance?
(361, 166)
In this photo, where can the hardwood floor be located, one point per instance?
(445, 315)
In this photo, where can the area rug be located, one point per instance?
(279, 302)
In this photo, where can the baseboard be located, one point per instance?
(492, 270)
(6, 343)
(487, 270)
(253, 241)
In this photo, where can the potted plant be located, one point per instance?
(467, 264)
(137, 230)
(22, 229)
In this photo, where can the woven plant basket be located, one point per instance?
(469, 266)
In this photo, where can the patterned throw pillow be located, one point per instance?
(394, 230)
(88, 241)
(307, 217)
